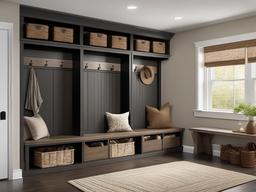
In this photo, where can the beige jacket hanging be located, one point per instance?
(33, 97)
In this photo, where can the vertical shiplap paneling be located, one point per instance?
(63, 102)
(101, 94)
(142, 95)
(84, 102)
(45, 80)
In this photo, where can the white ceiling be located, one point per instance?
(156, 14)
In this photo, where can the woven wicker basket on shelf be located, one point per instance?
(248, 155)
(37, 31)
(224, 152)
(62, 34)
(235, 156)
(53, 156)
(119, 42)
(158, 47)
(98, 39)
(142, 45)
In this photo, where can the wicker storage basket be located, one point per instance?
(95, 153)
(158, 47)
(224, 152)
(235, 156)
(63, 34)
(151, 143)
(171, 141)
(37, 31)
(98, 39)
(122, 149)
(119, 42)
(142, 45)
(52, 156)
(248, 156)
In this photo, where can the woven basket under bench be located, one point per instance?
(122, 149)
(53, 156)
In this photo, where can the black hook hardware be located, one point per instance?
(86, 66)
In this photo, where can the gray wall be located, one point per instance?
(178, 76)
(9, 12)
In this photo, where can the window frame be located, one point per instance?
(202, 80)
(208, 74)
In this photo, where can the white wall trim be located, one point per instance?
(219, 115)
(190, 149)
(229, 39)
(15, 174)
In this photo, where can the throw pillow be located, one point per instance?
(26, 132)
(37, 127)
(159, 118)
(118, 122)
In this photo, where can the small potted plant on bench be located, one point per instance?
(249, 111)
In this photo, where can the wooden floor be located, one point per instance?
(57, 182)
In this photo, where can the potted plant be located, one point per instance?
(249, 111)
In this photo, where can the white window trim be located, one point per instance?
(201, 78)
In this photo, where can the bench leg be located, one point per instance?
(202, 143)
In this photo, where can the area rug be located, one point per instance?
(180, 176)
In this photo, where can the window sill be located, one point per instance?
(219, 115)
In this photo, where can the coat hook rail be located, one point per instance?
(46, 62)
(101, 66)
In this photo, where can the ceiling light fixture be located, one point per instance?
(132, 7)
(178, 18)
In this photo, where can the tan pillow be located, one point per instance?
(37, 127)
(159, 118)
(118, 122)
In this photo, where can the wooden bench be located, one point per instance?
(202, 137)
(79, 143)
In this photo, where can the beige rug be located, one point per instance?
(181, 176)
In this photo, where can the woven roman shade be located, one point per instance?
(237, 53)
(251, 54)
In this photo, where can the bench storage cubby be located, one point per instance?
(95, 152)
(170, 141)
(53, 156)
(122, 148)
(152, 143)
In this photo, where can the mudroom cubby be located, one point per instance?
(171, 140)
(104, 84)
(77, 147)
(106, 36)
(152, 143)
(80, 82)
(153, 43)
(51, 25)
(96, 150)
(55, 69)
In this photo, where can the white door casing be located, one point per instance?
(4, 60)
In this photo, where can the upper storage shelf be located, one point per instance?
(55, 29)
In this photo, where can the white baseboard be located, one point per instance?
(190, 149)
(15, 174)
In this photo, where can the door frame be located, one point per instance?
(9, 28)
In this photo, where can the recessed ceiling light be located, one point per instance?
(178, 18)
(132, 7)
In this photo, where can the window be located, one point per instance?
(226, 87)
(226, 74)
